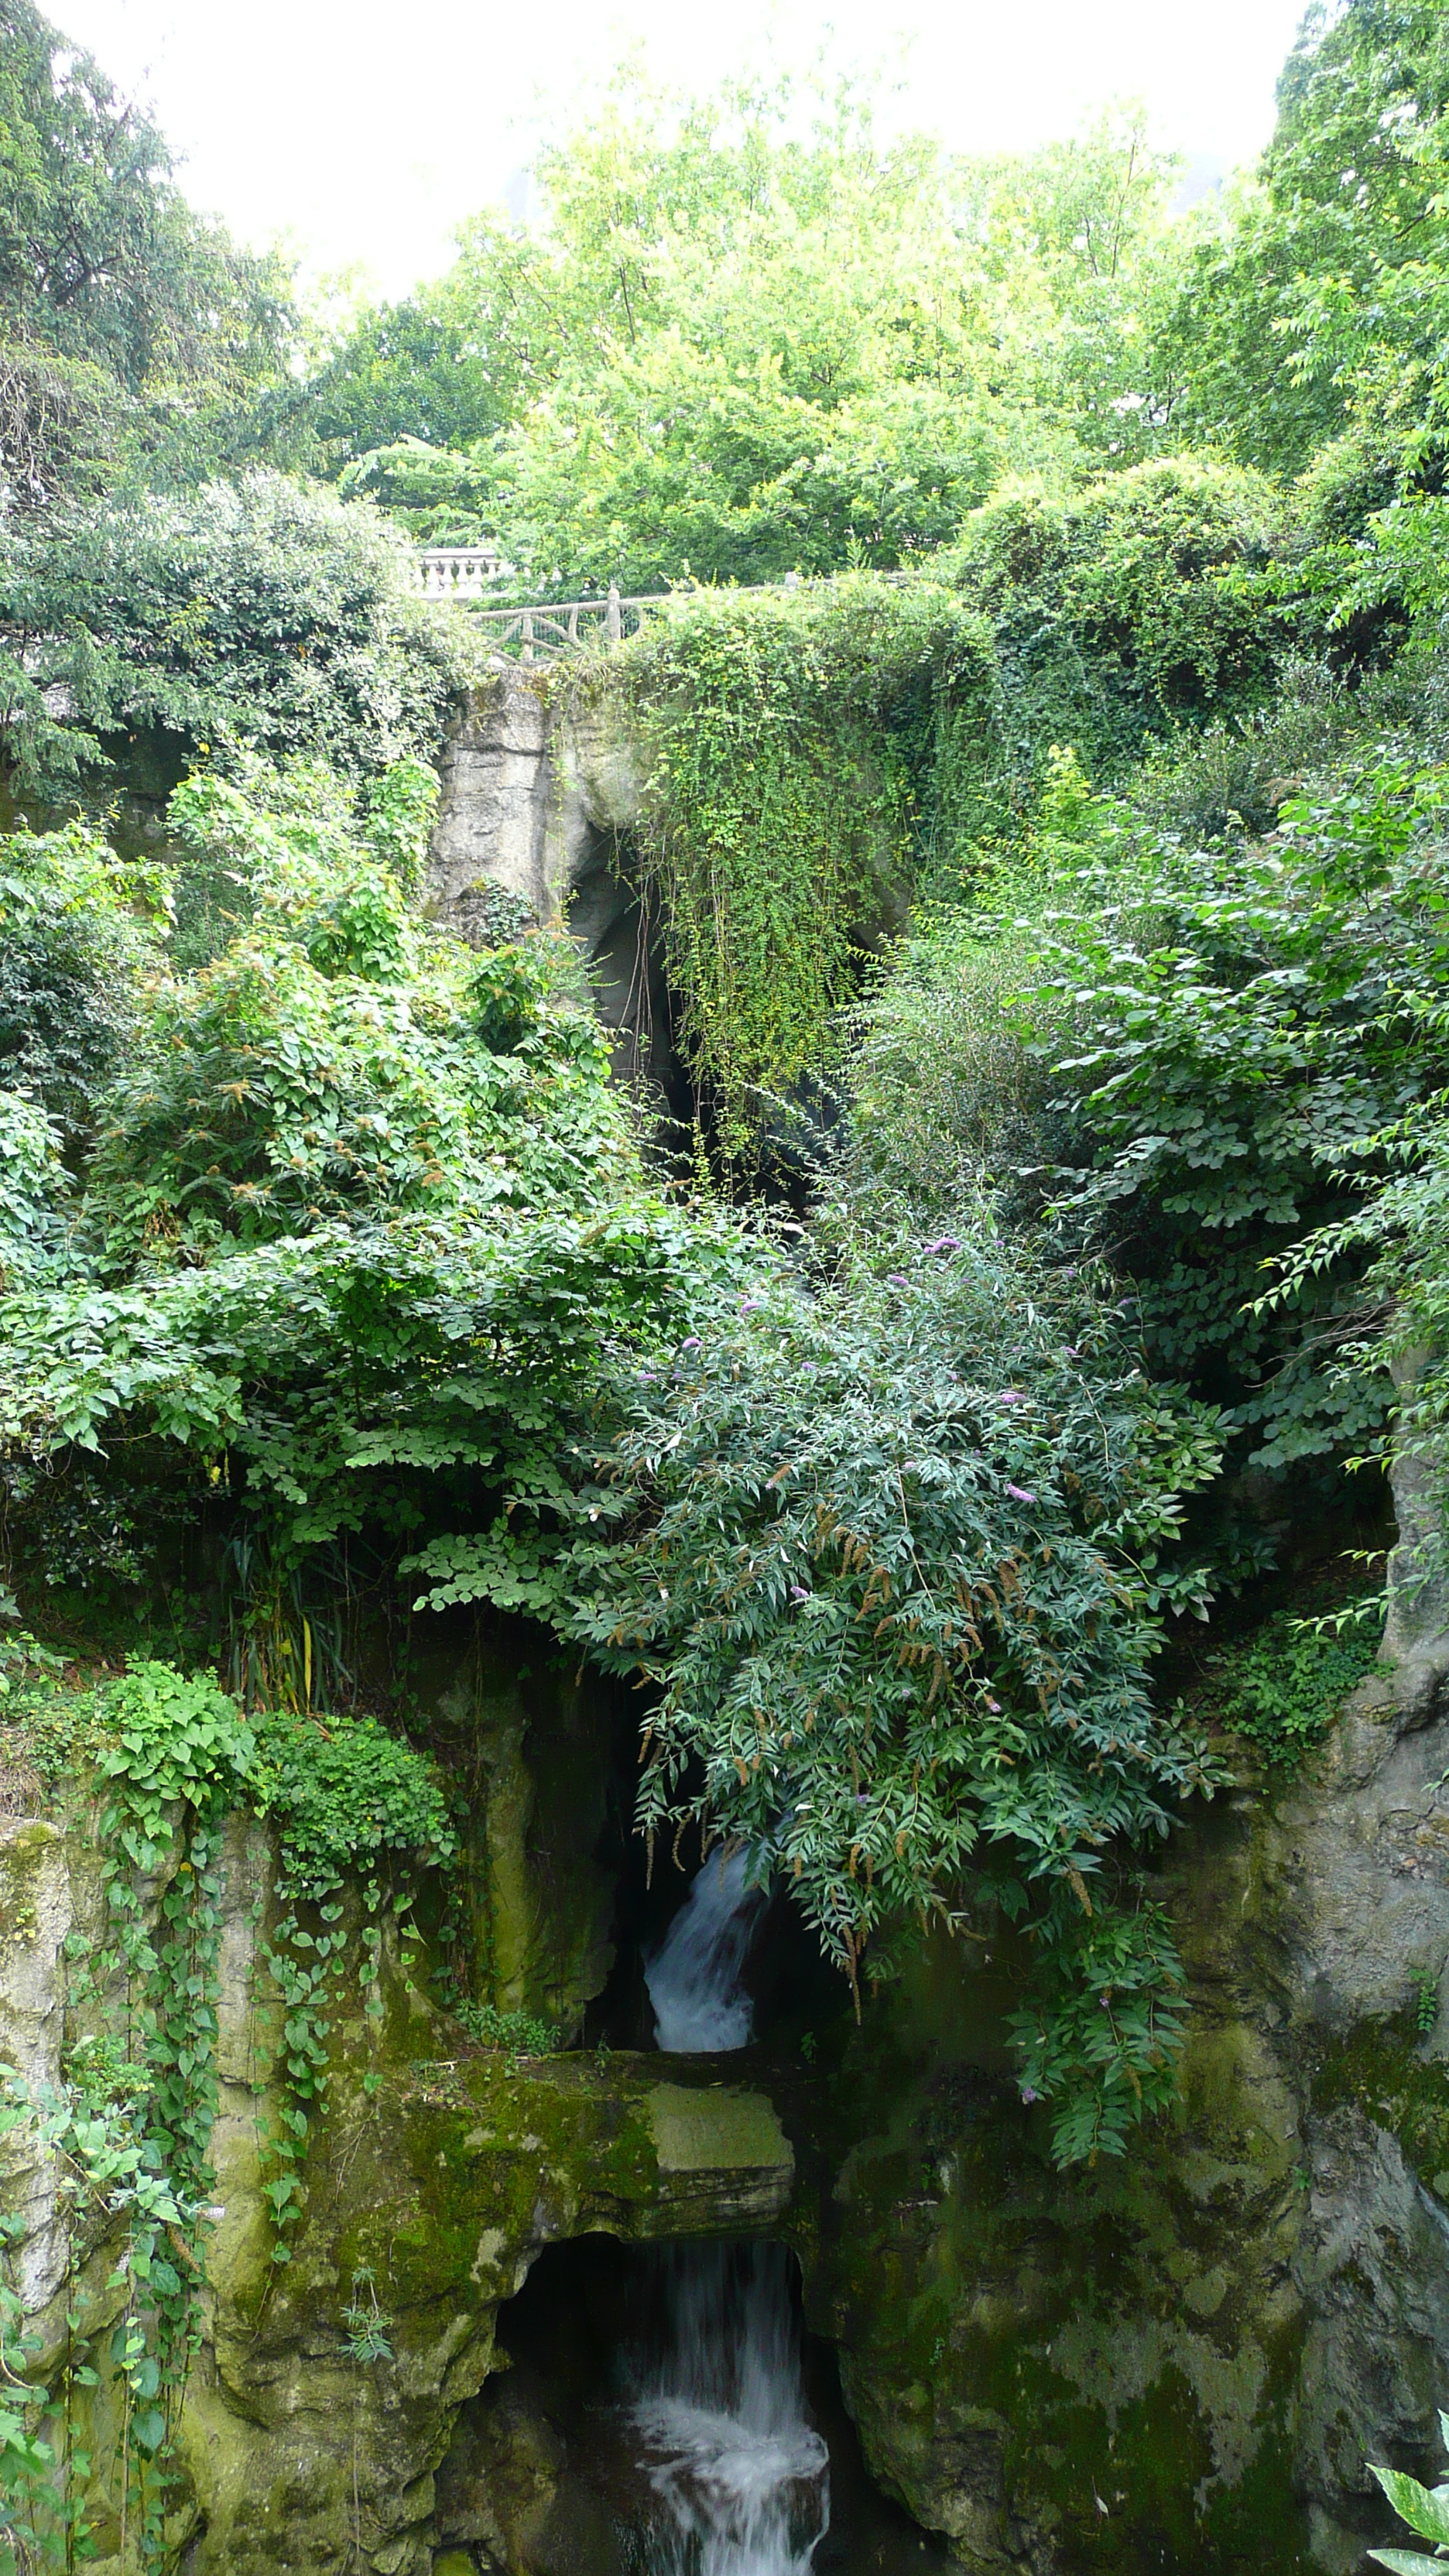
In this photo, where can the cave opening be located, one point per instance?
(791, 1990)
(663, 2410)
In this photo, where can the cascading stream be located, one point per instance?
(696, 1976)
(739, 2476)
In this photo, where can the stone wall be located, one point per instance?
(541, 787)
(1180, 2358)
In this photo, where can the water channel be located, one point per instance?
(665, 2403)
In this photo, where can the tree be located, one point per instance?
(113, 293)
(733, 350)
(1320, 300)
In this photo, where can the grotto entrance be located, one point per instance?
(664, 2412)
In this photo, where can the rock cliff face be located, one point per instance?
(441, 2172)
(1182, 2358)
(541, 787)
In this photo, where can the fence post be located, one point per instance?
(613, 622)
(527, 653)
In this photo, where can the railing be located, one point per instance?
(564, 625)
(458, 572)
(537, 634)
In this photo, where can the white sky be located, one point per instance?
(362, 131)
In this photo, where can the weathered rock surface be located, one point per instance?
(541, 787)
(1181, 2358)
(437, 2173)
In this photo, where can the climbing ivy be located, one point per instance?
(130, 2129)
(790, 746)
(348, 1799)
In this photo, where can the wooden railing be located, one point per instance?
(534, 634)
(561, 626)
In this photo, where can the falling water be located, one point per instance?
(740, 2479)
(695, 1976)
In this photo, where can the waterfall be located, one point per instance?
(694, 1977)
(739, 2477)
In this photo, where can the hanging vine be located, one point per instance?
(127, 2134)
(791, 741)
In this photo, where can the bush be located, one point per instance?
(1132, 607)
(78, 943)
(890, 1557)
(261, 611)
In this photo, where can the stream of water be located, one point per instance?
(739, 2476)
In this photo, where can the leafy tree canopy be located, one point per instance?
(743, 342)
(121, 310)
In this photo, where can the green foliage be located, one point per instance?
(347, 1797)
(441, 498)
(778, 811)
(77, 945)
(108, 2169)
(1280, 1689)
(256, 611)
(333, 1064)
(1425, 2510)
(350, 1801)
(129, 2133)
(121, 311)
(521, 2033)
(1101, 2036)
(890, 1555)
(1319, 297)
(366, 2328)
(1218, 1033)
(33, 1188)
(1128, 608)
(746, 341)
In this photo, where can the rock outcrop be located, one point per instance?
(541, 787)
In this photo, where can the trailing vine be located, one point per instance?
(791, 742)
(129, 2130)
(349, 1798)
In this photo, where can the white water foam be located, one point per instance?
(694, 1977)
(741, 2478)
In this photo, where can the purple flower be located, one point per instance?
(751, 1305)
(1029, 2093)
(693, 1343)
(1073, 1351)
(945, 1243)
(807, 1368)
(798, 1592)
(1106, 2002)
(1011, 1395)
(897, 1279)
(1019, 1494)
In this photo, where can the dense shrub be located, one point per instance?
(78, 942)
(255, 612)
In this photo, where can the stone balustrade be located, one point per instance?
(542, 633)
(458, 572)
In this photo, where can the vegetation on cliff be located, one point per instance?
(1049, 887)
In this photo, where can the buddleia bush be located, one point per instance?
(890, 1554)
